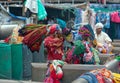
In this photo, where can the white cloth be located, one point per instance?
(32, 5)
(102, 38)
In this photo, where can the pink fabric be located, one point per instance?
(88, 55)
(115, 17)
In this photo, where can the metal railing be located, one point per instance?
(7, 4)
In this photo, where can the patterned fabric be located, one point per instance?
(54, 47)
(103, 18)
(34, 39)
(78, 17)
(54, 73)
(95, 55)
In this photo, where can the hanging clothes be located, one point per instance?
(37, 7)
(103, 18)
(115, 24)
(115, 17)
(89, 17)
(32, 5)
(78, 16)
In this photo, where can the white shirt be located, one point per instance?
(32, 5)
(102, 38)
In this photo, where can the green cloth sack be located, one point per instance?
(5, 61)
(79, 48)
(17, 61)
(42, 14)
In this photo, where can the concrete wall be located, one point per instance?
(112, 65)
(13, 81)
(71, 71)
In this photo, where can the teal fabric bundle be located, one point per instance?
(79, 48)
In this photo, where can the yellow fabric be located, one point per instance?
(69, 37)
(15, 38)
(116, 77)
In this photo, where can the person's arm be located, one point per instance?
(107, 39)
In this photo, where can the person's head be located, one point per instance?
(85, 33)
(98, 27)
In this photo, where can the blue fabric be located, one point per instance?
(91, 78)
(109, 8)
(61, 22)
(88, 78)
(78, 17)
(103, 18)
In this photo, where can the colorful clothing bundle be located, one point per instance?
(82, 53)
(101, 76)
(87, 31)
(84, 31)
(33, 36)
(54, 47)
(28, 28)
(54, 42)
(54, 73)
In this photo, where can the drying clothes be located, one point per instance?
(103, 18)
(89, 17)
(42, 14)
(54, 73)
(36, 6)
(115, 17)
(32, 5)
(78, 16)
(54, 47)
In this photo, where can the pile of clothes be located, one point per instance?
(33, 36)
(101, 76)
(83, 51)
